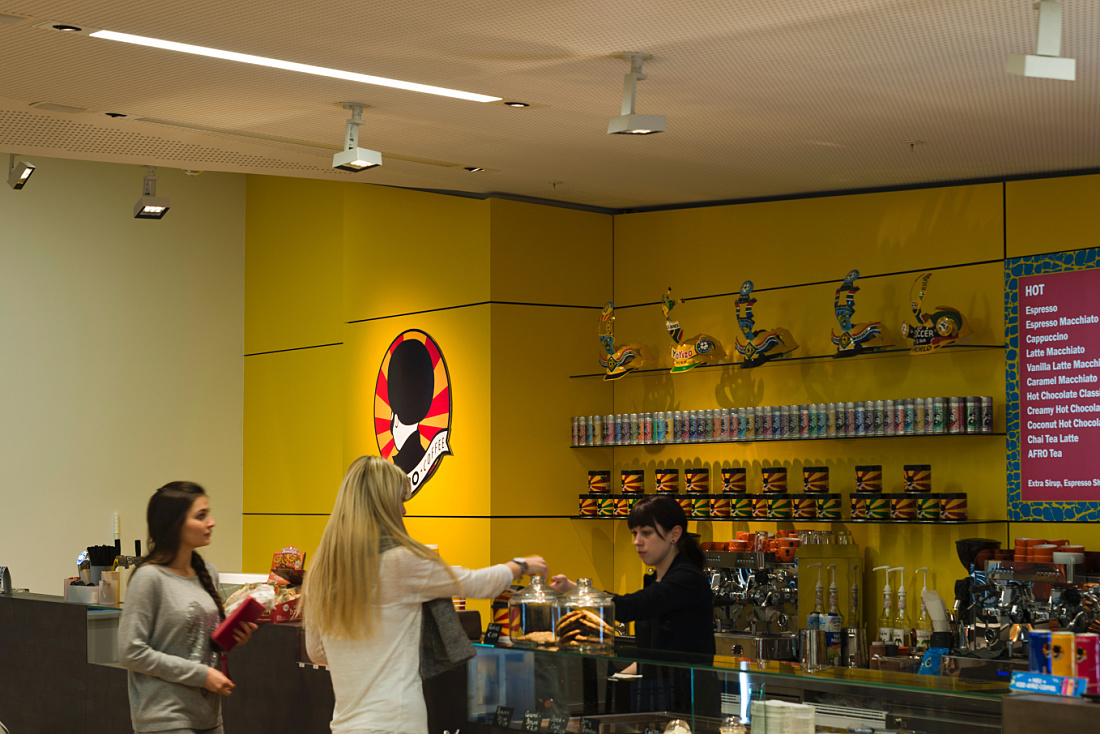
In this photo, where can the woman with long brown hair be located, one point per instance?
(172, 607)
(363, 601)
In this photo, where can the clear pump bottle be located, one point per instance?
(886, 619)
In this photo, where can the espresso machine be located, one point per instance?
(755, 604)
(1001, 600)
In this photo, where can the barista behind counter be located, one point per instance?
(674, 611)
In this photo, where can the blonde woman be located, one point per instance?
(362, 600)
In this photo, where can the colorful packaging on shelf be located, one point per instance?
(815, 479)
(633, 481)
(956, 415)
(742, 507)
(720, 506)
(588, 505)
(827, 506)
(858, 506)
(986, 425)
(878, 507)
(760, 507)
(700, 507)
(861, 419)
(606, 506)
(686, 504)
(734, 479)
(804, 507)
(953, 506)
(697, 479)
(903, 507)
(622, 505)
(869, 478)
(928, 506)
(774, 479)
(780, 507)
(599, 481)
(668, 480)
(918, 477)
(973, 420)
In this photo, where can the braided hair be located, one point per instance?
(167, 511)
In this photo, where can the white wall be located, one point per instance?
(121, 362)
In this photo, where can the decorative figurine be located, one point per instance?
(760, 345)
(855, 338)
(623, 360)
(688, 353)
(945, 325)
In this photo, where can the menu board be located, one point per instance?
(1060, 386)
(1053, 330)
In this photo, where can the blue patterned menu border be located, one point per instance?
(1015, 269)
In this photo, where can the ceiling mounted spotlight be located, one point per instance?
(516, 104)
(151, 206)
(352, 157)
(473, 169)
(18, 173)
(1045, 63)
(629, 123)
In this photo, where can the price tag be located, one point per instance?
(532, 720)
(503, 717)
(559, 724)
(590, 726)
(492, 633)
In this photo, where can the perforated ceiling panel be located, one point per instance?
(762, 98)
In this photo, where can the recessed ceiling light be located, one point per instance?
(516, 104)
(472, 169)
(289, 66)
(67, 28)
(114, 114)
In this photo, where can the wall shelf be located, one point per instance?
(809, 358)
(930, 523)
(781, 440)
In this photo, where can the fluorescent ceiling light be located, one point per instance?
(290, 66)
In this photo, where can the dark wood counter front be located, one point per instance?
(47, 685)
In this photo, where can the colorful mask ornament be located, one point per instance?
(945, 325)
(760, 345)
(689, 353)
(855, 338)
(623, 360)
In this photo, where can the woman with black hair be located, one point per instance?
(676, 599)
(674, 610)
(172, 607)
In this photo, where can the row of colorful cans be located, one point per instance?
(726, 505)
(918, 479)
(927, 506)
(950, 506)
(903, 417)
(1066, 654)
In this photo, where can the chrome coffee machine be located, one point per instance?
(755, 605)
(1001, 600)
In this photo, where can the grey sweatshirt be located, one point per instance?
(164, 640)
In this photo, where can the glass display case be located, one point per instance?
(630, 691)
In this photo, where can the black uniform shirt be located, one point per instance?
(679, 610)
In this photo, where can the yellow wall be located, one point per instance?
(511, 292)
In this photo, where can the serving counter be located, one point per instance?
(514, 688)
(57, 676)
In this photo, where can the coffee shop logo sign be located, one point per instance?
(412, 406)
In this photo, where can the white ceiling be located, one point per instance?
(763, 98)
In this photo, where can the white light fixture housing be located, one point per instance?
(151, 206)
(629, 123)
(352, 157)
(18, 173)
(1045, 63)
